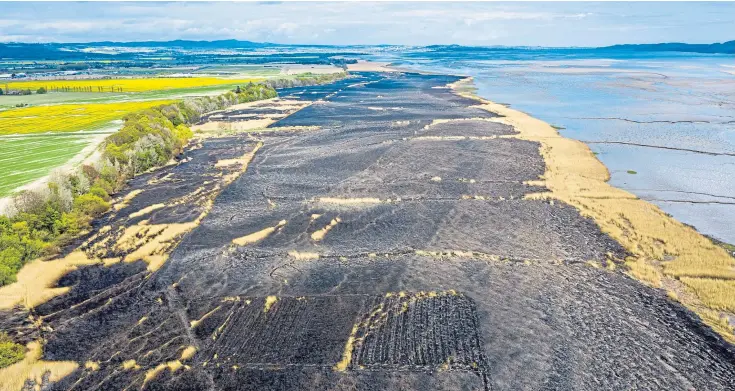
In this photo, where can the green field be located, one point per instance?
(8, 102)
(250, 70)
(24, 159)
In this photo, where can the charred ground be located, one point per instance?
(389, 246)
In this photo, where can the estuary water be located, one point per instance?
(663, 123)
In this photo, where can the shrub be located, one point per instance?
(10, 352)
(41, 90)
(72, 223)
(11, 260)
(7, 275)
(28, 201)
(90, 205)
(90, 172)
(99, 192)
(105, 185)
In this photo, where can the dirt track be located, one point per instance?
(382, 250)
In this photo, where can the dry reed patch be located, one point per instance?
(342, 365)
(644, 271)
(303, 256)
(130, 364)
(721, 324)
(36, 279)
(239, 126)
(147, 210)
(125, 200)
(151, 374)
(319, 235)
(370, 66)
(258, 236)
(33, 368)
(188, 352)
(152, 243)
(445, 121)
(349, 201)
(714, 293)
(269, 301)
(575, 176)
(195, 323)
(456, 138)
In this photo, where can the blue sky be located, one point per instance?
(532, 24)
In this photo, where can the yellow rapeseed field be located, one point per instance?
(67, 118)
(125, 85)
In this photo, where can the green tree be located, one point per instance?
(41, 90)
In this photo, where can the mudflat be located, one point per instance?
(380, 238)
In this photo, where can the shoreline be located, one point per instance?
(665, 253)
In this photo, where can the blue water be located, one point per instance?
(681, 101)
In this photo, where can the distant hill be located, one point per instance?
(94, 51)
(185, 44)
(75, 51)
(725, 47)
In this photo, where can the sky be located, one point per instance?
(364, 23)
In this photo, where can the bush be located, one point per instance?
(90, 205)
(41, 90)
(90, 172)
(72, 223)
(99, 192)
(10, 352)
(105, 185)
(11, 260)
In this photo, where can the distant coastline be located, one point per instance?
(75, 50)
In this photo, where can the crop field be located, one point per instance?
(24, 159)
(125, 85)
(67, 118)
(9, 102)
(254, 70)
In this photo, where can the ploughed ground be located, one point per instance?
(383, 237)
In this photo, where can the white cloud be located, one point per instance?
(544, 24)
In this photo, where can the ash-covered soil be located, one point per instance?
(391, 248)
